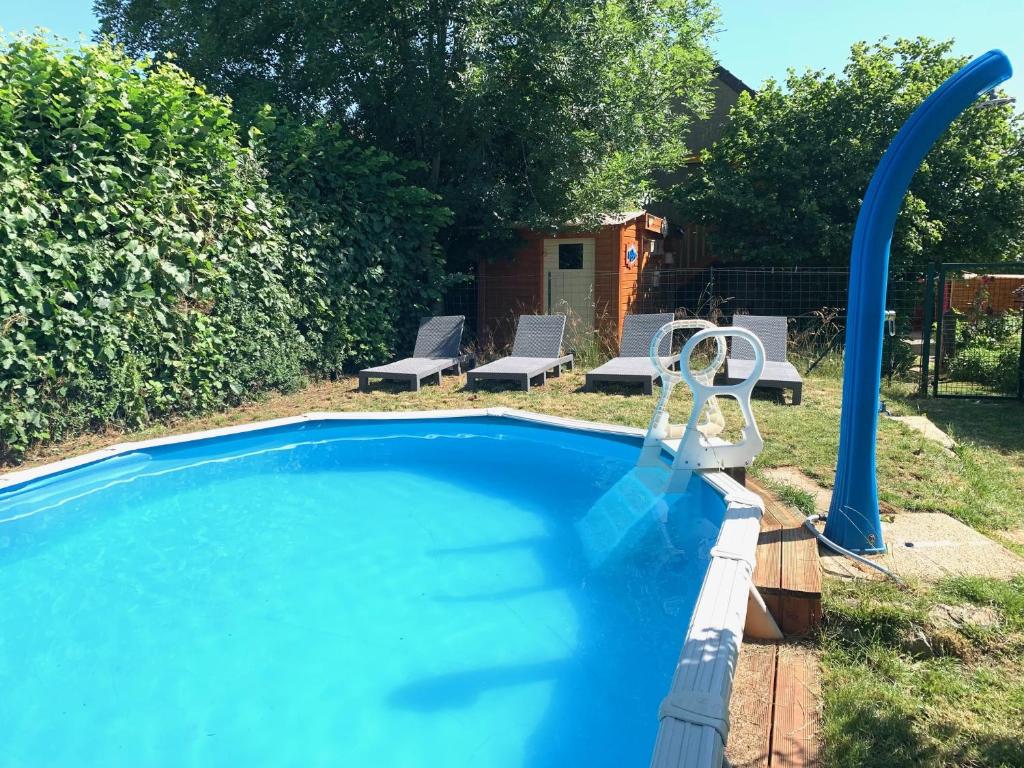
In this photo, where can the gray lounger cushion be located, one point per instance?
(436, 350)
(778, 372)
(536, 350)
(633, 365)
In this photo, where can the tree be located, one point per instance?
(518, 111)
(783, 185)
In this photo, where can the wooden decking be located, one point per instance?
(775, 701)
(774, 711)
(787, 574)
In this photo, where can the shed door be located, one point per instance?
(569, 279)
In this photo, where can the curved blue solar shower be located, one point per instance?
(853, 519)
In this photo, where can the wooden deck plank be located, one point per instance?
(796, 718)
(750, 708)
(801, 582)
(787, 573)
(801, 571)
(768, 566)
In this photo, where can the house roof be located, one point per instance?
(732, 81)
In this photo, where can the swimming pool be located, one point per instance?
(460, 589)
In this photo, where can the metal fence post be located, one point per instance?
(1020, 365)
(941, 292)
(926, 327)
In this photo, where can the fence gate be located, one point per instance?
(972, 332)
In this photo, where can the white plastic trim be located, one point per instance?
(695, 451)
(705, 374)
(694, 734)
(727, 554)
(659, 428)
(697, 709)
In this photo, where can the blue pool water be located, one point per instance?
(450, 592)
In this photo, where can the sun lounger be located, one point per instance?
(436, 350)
(778, 372)
(633, 365)
(536, 352)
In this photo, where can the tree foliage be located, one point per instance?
(148, 268)
(784, 184)
(519, 111)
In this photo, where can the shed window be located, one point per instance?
(570, 255)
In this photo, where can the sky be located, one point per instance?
(763, 38)
(758, 38)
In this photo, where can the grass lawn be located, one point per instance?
(906, 686)
(903, 686)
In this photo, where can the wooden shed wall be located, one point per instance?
(628, 233)
(509, 288)
(607, 315)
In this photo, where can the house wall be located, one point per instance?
(687, 241)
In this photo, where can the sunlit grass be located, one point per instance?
(981, 482)
(903, 688)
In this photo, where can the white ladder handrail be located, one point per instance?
(714, 422)
(698, 448)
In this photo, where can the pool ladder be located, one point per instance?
(696, 445)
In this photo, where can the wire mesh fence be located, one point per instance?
(975, 315)
(814, 301)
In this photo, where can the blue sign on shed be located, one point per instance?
(631, 255)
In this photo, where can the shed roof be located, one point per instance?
(613, 219)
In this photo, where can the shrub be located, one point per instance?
(988, 350)
(979, 328)
(362, 246)
(995, 367)
(151, 263)
(140, 250)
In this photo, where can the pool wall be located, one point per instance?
(694, 715)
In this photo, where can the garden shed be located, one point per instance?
(595, 277)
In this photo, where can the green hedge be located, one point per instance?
(148, 268)
(362, 242)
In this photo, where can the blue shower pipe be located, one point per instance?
(853, 519)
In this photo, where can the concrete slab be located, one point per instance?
(942, 615)
(932, 546)
(841, 567)
(925, 426)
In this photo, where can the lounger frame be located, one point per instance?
(533, 368)
(536, 354)
(436, 352)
